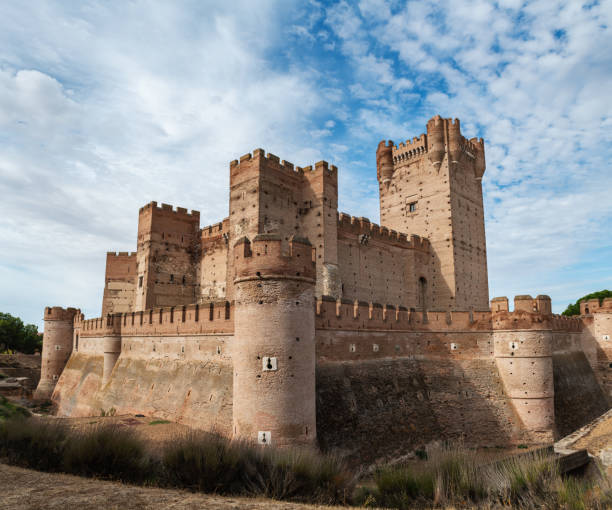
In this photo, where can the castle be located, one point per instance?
(291, 323)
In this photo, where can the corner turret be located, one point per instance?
(384, 161)
(57, 347)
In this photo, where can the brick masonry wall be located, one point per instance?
(183, 379)
(119, 283)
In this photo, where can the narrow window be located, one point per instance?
(227, 310)
(76, 343)
(140, 281)
(184, 279)
(211, 311)
(412, 207)
(171, 278)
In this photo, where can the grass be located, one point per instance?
(456, 477)
(159, 422)
(198, 461)
(8, 409)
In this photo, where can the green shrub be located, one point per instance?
(108, 451)
(33, 443)
(159, 422)
(8, 409)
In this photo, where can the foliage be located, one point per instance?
(211, 463)
(197, 461)
(108, 451)
(159, 422)
(33, 443)
(8, 409)
(17, 336)
(574, 309)
(456, 477)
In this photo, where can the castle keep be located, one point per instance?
(288, 322)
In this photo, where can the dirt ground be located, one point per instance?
(32, 490)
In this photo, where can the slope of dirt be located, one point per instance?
(27, 489)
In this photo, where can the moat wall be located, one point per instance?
(183, 379)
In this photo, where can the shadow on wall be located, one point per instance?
(374, 409)
(578, 397)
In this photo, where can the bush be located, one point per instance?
(205, 462)
(452, 477)
(107, 451)
(212, 463)
(33, 443)
(300, 475)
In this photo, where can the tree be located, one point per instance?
(17, 336)
(574, 309)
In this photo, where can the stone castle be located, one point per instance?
(291, 323)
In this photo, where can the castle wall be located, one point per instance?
(213, 267)
(119, 283)
(579, 397)
(186, 379)
(597, 341)
(379, 265)
(167, 256)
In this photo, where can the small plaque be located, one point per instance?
(269, 364)
(264, 437)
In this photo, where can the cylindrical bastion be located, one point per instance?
(57, 347)
(273, 349)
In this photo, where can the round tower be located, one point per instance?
(57, 347)
(273, 351)
(523, 346)
(112, 345)
(435, 141)
(384, 161)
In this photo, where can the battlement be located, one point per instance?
(213, 318)
(57, 313)
(274, 162)
(410, 149)
(215, 230)
(530, 313)
(363, 227)
(332, 313)
(264, 258)
(167, 209)
(590, 306)
(121, 254)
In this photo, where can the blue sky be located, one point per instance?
(105, 106)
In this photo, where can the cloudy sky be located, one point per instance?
(105, 106)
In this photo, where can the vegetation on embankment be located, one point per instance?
(455, 477)
(205, 462)
(198, 461)
(10, 410)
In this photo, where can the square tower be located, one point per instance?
(432, 186)
(166, 261)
